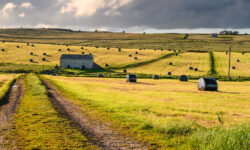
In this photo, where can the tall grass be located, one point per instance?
(223, 138)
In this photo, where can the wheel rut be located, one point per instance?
(101, 135)
(8, 107)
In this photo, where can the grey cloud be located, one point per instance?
(156, 14)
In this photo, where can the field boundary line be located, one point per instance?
(97, 133)
(134, 65)
(212, 70)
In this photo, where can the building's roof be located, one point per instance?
(70, 56)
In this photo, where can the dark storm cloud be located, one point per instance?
(156, 14)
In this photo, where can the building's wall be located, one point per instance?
(77, 63)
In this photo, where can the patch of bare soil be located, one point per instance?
(7, 108)
(98, 133)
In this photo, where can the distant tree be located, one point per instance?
(123, 31)
(96, 30)
(226, 32)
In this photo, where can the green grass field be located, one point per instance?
(181, 64)
(37, 125)
(168, 113)
(5, 82)
(129, 40)
(242, 67)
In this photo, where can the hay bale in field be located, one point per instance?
(169, 49)
(31, 53)
(108, 48)
(144, 48)
(156, 77)
(82, 47)
(28, 44)
(3, 41)
(136, 52)
(135, 58)
(119, 50)
(17, 46)
(161, 49)
(169, 73)
(174, 50)
(155, 49)
(191, 68)
(67, 45)
(44, 54)
(125, 70)
(59, 50)
(226, 52)
(32, 45)
(68, 49)
(3, 50)
(140, 49)
(31, 60)
(131, 78)
(83, 53)
(207, 84)
(96, 46)
(179, 51)
(183, 78)
(129, 55)
(233, 67)
(170, 63)
(100, 75)
(176, 54)
(238, 60)
(43, 59)
(196, 69)
(107, 65)
(243, 53)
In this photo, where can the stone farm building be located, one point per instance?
(77, 61)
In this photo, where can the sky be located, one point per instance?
(150, 16)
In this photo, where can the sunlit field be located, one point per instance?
(242, 68)
(167, 112)
(102, 56)
(180, 65)
(5, 83)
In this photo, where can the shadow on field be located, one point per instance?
(142, 83)
(228, 92)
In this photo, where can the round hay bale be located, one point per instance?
(136, 52)
(107, 65)
(135, 58)
(90, 53)
(129, 55)
(144, 48)
(196, 69)
(100, 75)
(3, 41)
(176, 54)
(243, 53)
(131, 78)
(191, 68)
(169, 73)
(31, 53)
(233, 67)
(44, 54)
(59, 50)
(43, 59)
(174, 50)
(3, 50)
(96, 46)
(28, 44)
(238, 60)
(170, 63)
(31, 60)
(161, 49)
(155, 49)
(17, 46)
(125, 70)
(183, 78)
(207, 84)
(68, 49)
(108, 48)
(67, 45)
(156, 77)
(140, 49)
(179, 51)
(83, 53)
(82, 48)
(32, 45)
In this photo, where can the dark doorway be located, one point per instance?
(68, 66)
(83, 67)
